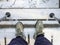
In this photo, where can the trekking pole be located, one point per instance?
(28, 39)
(5, 40)
(52, 39)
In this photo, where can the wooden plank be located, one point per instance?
(29, 25)
(28, 19)
(27, 8)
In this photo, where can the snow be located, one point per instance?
(9, 33)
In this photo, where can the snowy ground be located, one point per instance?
(30, 3)
(10, 33)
